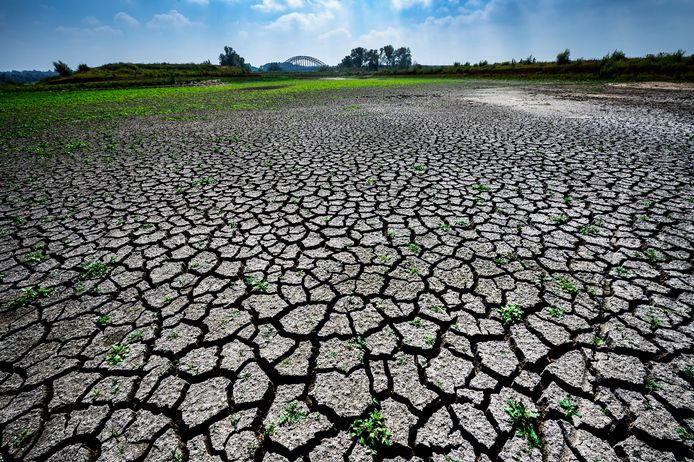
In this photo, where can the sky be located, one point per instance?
(34, 33)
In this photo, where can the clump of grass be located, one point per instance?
(566, 285)
(103, 320)
(75, 145)
(256, 285)
(372, 431)
(651, 385)
(588, 230)
(21, 437)
(413, 247)
(685, 434)
(560, 219)
(462, 223)
(524, 422)
(290, 414)
(511, 314)
(205, 181)
(95, 269)
(420, 168)
(481, 187)
(555, 312)
(30, 294)
(36, 257)
(570, 409)
(118, 353)
(654, 322)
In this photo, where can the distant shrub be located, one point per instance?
(564, 57)
(616, 55)
(62, 68)
(83, 68)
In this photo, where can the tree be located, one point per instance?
(358, 56)
(403, 57)
(274, 67)
(62, 68)
(372, 58)
(82, 68)
(346, 62)
(387, 55)
(232, 58)
(564, 57)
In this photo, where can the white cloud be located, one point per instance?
(403, 4)
(273, 6)
(91, 21)
(379, 37)
(100, 30)
(471, 13)
(302, 20)
(172, 19)
(125, 19)
(342, 31)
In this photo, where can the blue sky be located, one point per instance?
(35, 33)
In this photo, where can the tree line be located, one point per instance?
(388, 56)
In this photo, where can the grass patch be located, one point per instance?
(524, 422)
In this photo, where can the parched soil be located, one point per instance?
(246, 285)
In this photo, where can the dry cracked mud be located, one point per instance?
(244, 285)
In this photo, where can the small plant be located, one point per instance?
(570, 409)
(511, 314)
(416, 322)
(621, 271)
(651, 385)
(413, 247)
(255, 284)
(117, 354)
(413, 270)
(524, 422)
(103, 320)
(429, 340)
(420, 168)
(175, 456)
(136, 336)
(75, 145)
(21, 438)
(654, 322)
(290, 415)
(685, 434)
(689, 371)
(95, 269)
(566, 285)
(462, 223)
(31, 294)
(372, 431)
(567, 199)
(654, 256)
(34, 258)
(560, 219)
(370, 182)
(266, 163)
(597, 341)
(357, 342)
(384, 258)
(481, 187)
(555, 312)
(445, 227)
(588, 230)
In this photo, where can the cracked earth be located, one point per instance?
(245, 285)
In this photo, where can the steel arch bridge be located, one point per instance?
(305, 61)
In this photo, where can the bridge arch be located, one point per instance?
(305, 61)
